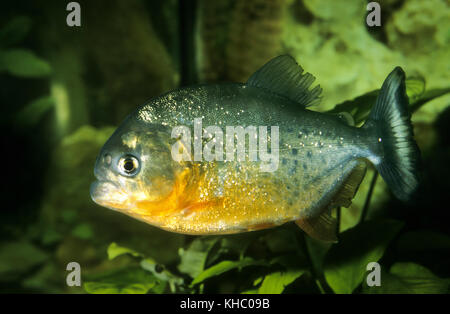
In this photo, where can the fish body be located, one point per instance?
(316, 160)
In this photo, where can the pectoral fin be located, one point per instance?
(346, 117)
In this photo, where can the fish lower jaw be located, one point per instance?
(108, 194)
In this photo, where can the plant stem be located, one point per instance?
(338, 218)
(187, 15)
(319, 279)
(369, 196)
(319, 285)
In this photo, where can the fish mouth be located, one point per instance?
(105, 193)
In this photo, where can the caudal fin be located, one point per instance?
(396, 152)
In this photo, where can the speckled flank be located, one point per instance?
(226, 197)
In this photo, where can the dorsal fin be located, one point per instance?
(283, 76)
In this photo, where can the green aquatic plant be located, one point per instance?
(24, 63)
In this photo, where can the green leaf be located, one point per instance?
(162, 275)
(317, 251)
(234, 244)
(19, 257)
(83, 231)
(409, 278)
(289, 261)
(428, 96)
(69, 216)
(31, 114)
(159, 287)
(223, 267)
(15, 31)
(346, 261)
(280, 240)
(23, 63)
(50, 236)
(358, 107)
(43, 280)
(251, 291)
(415, 87)
(124, 281)
(237, 243)
(424, 240)
(148, 264)
(275, 283)
(193, 259)
(426, 247)
(361, 106)
(257, 281)
(115, 250)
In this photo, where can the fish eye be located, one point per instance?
(128, 165)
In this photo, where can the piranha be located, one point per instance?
(322, 157)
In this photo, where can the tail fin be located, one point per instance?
(397, 154)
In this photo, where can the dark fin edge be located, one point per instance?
(397, 160)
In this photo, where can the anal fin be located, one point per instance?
(348, 189)
(322, 227)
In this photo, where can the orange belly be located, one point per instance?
(202, 202)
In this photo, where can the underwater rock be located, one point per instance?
(420, 30)
(420, 26)
(336, 47)
(128, 63)
(330, 10)
(254, 36)
(214, 19)
(238, 37)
